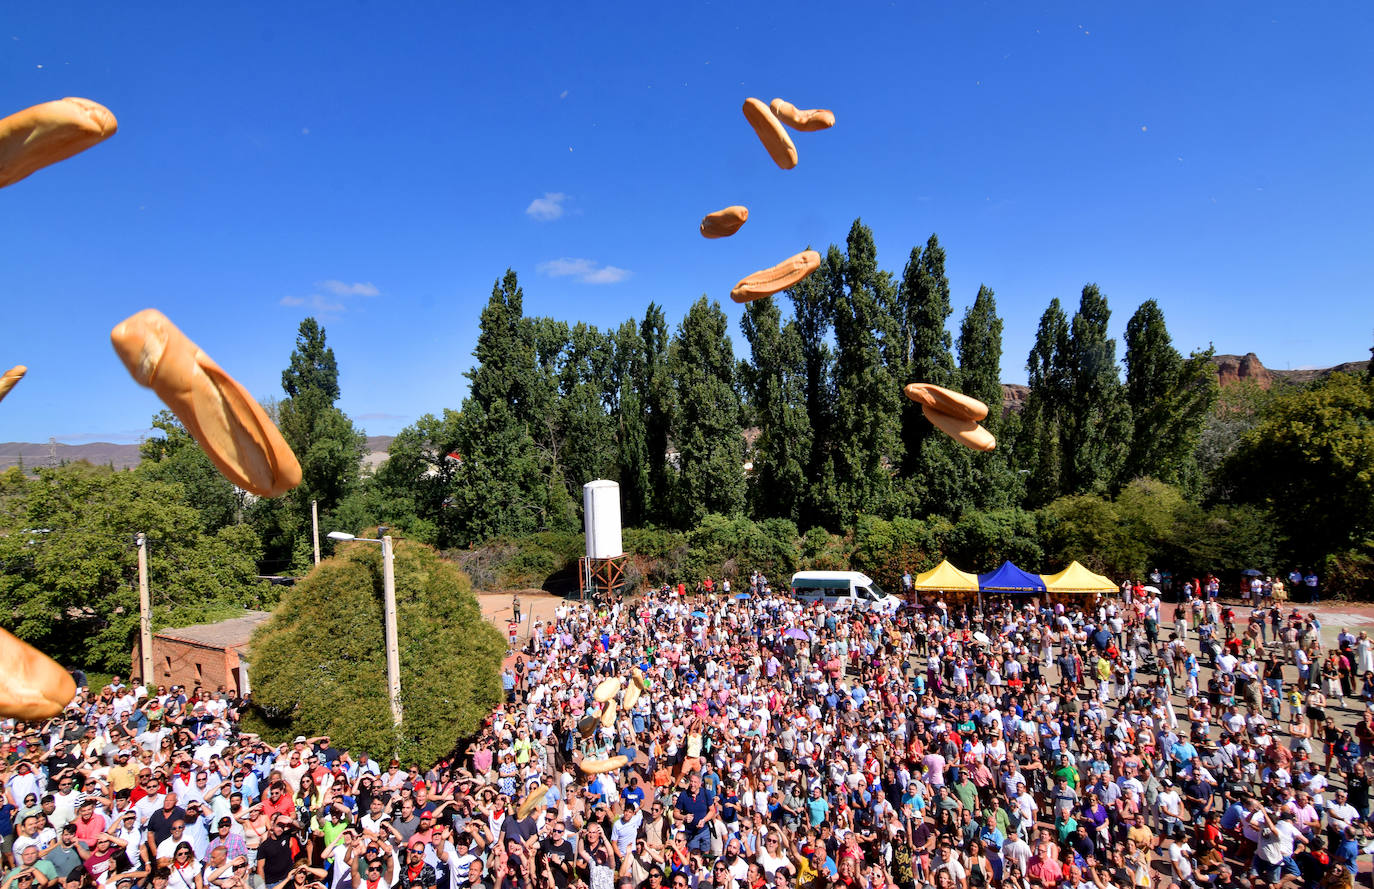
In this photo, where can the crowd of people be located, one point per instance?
(768, 744)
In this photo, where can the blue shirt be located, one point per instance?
(695, 807)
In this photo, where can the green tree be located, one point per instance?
(330, 450)
(775, 381)
(706, 422)
(1310, 461)
(1169, 398)
(68, 566)
(1039, 453)
(923, 309)
(866, 446)
(1239, 407)
(656, 393)
(175, 457)
(318, 667)
(631, 434)
(993, 482)
(499, 487)
(313, 367)
(1096, 427)
(812, 300)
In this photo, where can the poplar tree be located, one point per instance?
(706, 420)
(655, 389)
(627, 412)
(498, 487)
(814, 315)
(923, 309)
(1039, 451)
(993, 484)
(1097, 419)
(1170, 399)
(866, 396)
(775, 381)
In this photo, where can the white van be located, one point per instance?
(842, 590)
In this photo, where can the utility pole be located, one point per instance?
(393, 654)
(145, 609)
(393, 649)
(315, 527)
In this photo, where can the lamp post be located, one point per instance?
(393, 657)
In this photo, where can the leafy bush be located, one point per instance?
(885, 549)
(318, 667)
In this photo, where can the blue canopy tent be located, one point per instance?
(1010, 579)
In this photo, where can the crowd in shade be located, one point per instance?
(994, 742)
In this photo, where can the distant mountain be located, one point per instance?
(123, 456)
(1230, 369)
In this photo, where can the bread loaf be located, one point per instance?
(631, 697)
(531, 802)
(966, 432)
(802, 121)
(231, 428)
(10, 377)
(45, 134)
(771, 134)
(35, 687)
(779, 277)
(607, 689)
(947, 401)
(608, 715)
(601, 766)
(724, 223)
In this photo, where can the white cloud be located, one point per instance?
(293, 300)
(547, 208)
(342, 288)
(584, 270)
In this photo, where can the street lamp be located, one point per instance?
(393, 657)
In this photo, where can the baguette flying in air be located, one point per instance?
(231, 428)
(41, 136)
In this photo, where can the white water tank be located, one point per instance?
(601, 516)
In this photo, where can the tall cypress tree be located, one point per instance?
(993, 483)
(775, 381)
(499, 487)
(1169, 397)
(330, 449)
(1039, 449)
(866, 396)
(924, 308)
(706, 422)
(812, 306)
(627, 411)
(655, 390)
(1097, 420)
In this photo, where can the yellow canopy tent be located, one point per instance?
(1076, 579)
(945, 578)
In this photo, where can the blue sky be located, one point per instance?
(380, 165)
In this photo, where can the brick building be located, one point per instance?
(207, 656)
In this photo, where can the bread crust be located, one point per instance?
(607, 689)
(966, 432)
(724, 223)
(232, 429)
(44, 134)
(601, 766)
(771, 133)
(947, 401)
(10, 377)
(808, 121)
(35, 687)
(780, 277)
